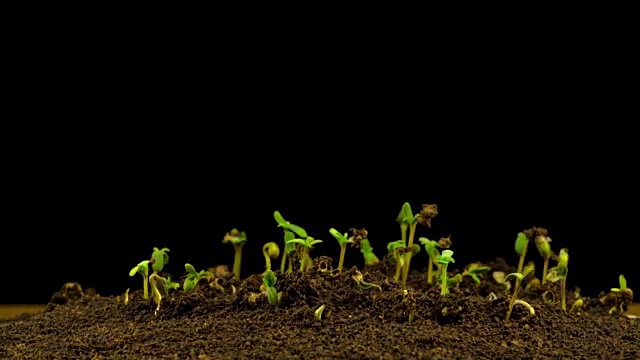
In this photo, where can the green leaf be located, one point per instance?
(454, 280)
(342, 239)
(475, 278)
(516, 275)
(272, 296)
(298, 230)
(190, 269)
(279, 219)
(394, 245)
(479, 270)
(431, 247)
(445, 258)
(406, 215)
(529, 268)
(415, 248)
(623, 282)
(314, 242)
(269, 279)
(553, 276)
(521, 243)
(298, 241)
(542, 243)
(142, 268)
(160, 258)
(190, 284)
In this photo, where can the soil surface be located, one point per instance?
(234, 320)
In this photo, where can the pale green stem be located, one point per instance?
(409, 254)
(145, 286)
(237, 261)
(343, 249)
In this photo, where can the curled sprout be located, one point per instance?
(362, 285)
(271, 251)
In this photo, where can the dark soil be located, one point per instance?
(356, 324)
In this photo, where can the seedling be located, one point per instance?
(290, 230)
(305, 247)
(362, 285)
(474, 270)
(409, 221)
(237, 239)
(143, 269)
(193, 277)
(269, 280)
(271, 251)
(619, 297)
(359, 238)
(367, 253)
(560, 273)
(542, 243)
(343, 240)
(521, 245)
(431, 247)
(444, 259)
(318, 312)
(396, 249)
(158, 288)
(159, 258)
(514, 297)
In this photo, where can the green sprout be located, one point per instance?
(159, 258)
(305, 247)
(444, 259)
(193, 277)
(409, 221)
(269, 280)
(318, 313)
(619, 297)
(542, 243)
(623, 284)
(522, 242)
(343, 240)
(396, 249)
(271, 251)
(473, 270)
(290, 230)
(520, 276)
(170, 285)
(367, 253)
(560, 272)
(143, 269)
(237, 239)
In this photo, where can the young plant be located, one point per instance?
(305, 247)
(520, 276)
(409, 221)
(159, 258)
(396, 249)
(473, 270)
(290, 232)
(343, 240)
(542, 243)
(367, 253)
(269, 280)
(521, 245)
(619, 298)
(359, 239)
(271, 251)
(444, 259)
(193, 277)
(560, 272)
(143, 269)
(237, 239)
(157, 288)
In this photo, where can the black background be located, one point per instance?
(90, 211)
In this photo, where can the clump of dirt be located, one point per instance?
(233, 320)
